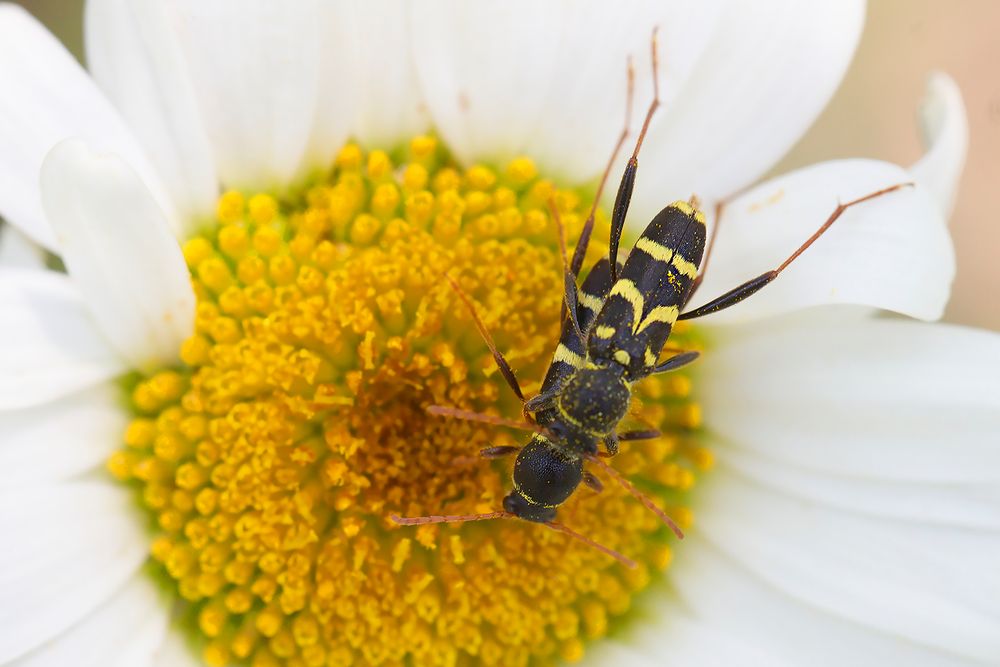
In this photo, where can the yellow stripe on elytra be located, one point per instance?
(665, 314)
(662, 253)
(568, 356)
(686, 208)
(685, 267)
(591, 302)
(657, 251)
(604, 332)
(627, 290)
(649, 357)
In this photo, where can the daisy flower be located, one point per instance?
(207, 418)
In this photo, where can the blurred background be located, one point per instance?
(874, 115)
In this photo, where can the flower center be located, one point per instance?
(273, 457)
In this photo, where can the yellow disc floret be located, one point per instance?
(271, 459)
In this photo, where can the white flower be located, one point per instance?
(854, 514)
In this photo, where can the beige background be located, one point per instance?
(874, 115)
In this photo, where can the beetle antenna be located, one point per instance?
(471, 416)
(449, 518)
(560, 229)
(489, 516)
(639, 495)
(505, 370)
(624, 560)
(569, 278)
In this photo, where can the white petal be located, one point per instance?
(19, 252)
(339, 82)
(727, 591)
(618, 653)
(946, 135)
(256, 68)
(133, 55)
(965, 505)
(49, 344)
(125, 631)
(893, 252)
(879, 399)
(771, 68)
(547, 79)
(67, 437)
(67, 549)
(934, 586)
(662, 627)
(390, 109)
(175, 652)
(119, 250)
(48, 97)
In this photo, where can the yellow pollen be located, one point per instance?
(262, 208)
(230, 207)
(270, 459)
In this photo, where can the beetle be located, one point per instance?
(615, 327)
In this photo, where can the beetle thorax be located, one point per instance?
(594, 399)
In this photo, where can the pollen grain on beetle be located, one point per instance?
(272, 457)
